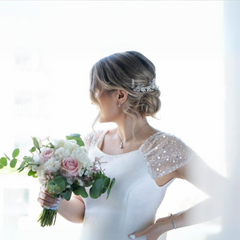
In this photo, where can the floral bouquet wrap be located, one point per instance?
(63, 167)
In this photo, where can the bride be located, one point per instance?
(144, 160)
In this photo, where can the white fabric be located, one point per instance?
(135, 197)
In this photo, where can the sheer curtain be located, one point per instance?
(47, 50)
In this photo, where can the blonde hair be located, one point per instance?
(115, 72)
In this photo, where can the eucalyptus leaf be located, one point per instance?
(3, 161)
(81, 191)
(58, 184)
(87, 184)
(32, 173)
(67, 194)
(15, 153)
(33, 149)
(110, 187)
(50, 145)
(96, 189)
(57, 189)
(99, 175)
(93, 193)
(13, 163)
(61, 182)
(22, 166)
(76, 137)
(28, 159)
(98, 183)
(54, 189)
(106, 183)
(36, 143)
(7, 156)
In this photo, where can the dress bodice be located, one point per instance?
(135, 197)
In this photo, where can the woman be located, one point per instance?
(144, 160)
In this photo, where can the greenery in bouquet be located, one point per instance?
(63, 167)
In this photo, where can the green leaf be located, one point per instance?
(87, 183)
(93, 193)
(67, 194)
(99, 175)
(15, 153)
(13, 163)
(61, 182)
(32, 173)
(50, 145)
(110, 187)
(28, 159)
(106, 183)
(1, 166)
(57, 184)
(22, 166)
(36, 143)
(76, 136)
(3, 161)
(33, 149)
(7, 157)
(81, 191)
(96, 189)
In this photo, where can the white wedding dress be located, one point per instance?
(135, 197)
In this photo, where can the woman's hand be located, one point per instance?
(154, 231)
(47, 200)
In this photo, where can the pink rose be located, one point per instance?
(46, 154)
(70, 167)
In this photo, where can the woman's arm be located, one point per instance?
(204, 178)
(210, 182)
(72, 210)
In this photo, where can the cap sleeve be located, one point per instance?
(90, 139)
(165, 153)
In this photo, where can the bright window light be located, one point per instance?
(46, 52)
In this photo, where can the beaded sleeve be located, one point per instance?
(91, 139)
(165, 153)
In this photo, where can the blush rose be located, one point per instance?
(70, 167)
(46, 154)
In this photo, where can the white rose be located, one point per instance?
(71, 145)
(52, 165)
(42, 176)
(58, 143)
(61, 153)
(82, 155)
(36, 158)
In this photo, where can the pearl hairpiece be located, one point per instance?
(141, 88)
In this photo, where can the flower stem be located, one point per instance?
(47, 217)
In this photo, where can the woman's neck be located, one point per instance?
(127, 127)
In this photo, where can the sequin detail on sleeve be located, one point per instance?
(165, 153)
(91, 139)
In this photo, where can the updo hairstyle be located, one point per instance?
(116, 72)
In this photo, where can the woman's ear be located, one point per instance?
(121, 96)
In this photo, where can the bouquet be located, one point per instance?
(63, 167)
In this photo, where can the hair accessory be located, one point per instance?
(173, 222)
(141, 88)
(133, 84)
